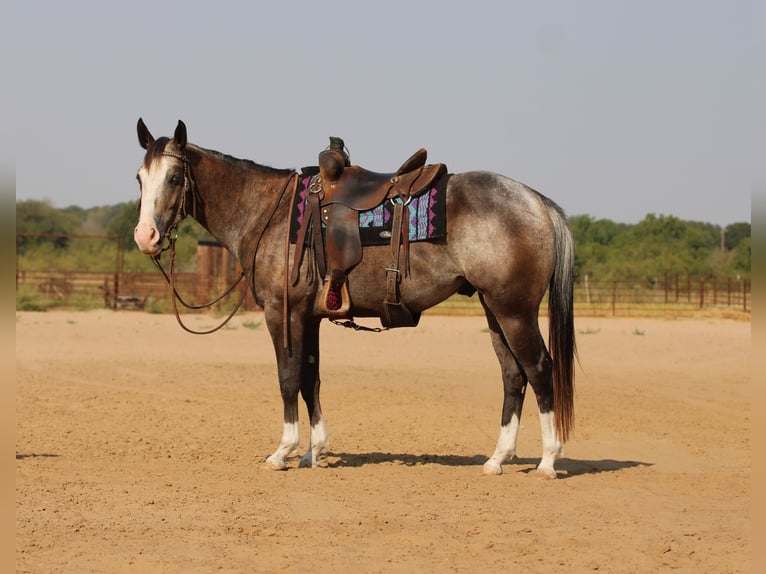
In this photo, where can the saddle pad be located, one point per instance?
(427, 214)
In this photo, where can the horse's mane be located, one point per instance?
(242, 163)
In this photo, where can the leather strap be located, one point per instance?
(311, 215)
(392, 271)
(300, 245)
(316, 230)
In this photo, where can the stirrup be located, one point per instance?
(328, 302)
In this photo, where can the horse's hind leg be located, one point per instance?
(525, 343)
(514, 385)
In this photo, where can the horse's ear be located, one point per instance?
(144, 137)
(180, 136)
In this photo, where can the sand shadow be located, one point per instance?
(343, 459)
(569, 467)
(36, 455)
(566, 467)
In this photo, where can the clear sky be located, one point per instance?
(612, 108)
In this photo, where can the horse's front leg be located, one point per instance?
(290, 429)
(298, 370)
(318, 438)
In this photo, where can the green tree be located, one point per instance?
(122, 223)
(735, 233)
(741, 263)
(41, 218)
(594, 244)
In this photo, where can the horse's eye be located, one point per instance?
(175, 179)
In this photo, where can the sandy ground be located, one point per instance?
(140, 448)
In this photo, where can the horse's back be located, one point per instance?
(486, 193)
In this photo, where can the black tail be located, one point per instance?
(561, 335)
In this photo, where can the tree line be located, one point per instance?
(658, 244)
(604, 249)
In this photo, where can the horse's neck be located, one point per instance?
(236, 201)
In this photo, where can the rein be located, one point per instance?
(171, 279)
(172, 235)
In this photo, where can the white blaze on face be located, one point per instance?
(147, 236)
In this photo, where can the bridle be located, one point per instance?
(190, 189)
(171, 234)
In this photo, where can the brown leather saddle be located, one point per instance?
(337, 194)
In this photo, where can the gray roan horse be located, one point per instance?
(504, 240)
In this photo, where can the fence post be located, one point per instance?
(118, 270)
(728, 291)
(116, 289)
(702, 292)
(614, 297)
(715, 291)
(744, 294)
(689, 287)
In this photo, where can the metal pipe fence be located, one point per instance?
(672, 294)
(677, 294)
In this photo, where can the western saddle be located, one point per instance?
(336, 196)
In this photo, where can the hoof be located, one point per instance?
(275, 464)
(543, 474)
(307, 462)
(492, 468)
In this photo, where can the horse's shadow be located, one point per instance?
(569, 467)
(565, 467)
(20, 456)
(345, 460)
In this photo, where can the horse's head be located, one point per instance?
(165, 182)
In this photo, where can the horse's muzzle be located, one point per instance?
(148, 238)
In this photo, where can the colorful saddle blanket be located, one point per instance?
(427, 214)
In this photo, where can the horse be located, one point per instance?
(504, 241)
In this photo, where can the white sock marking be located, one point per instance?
(288, 444)
(506, 447)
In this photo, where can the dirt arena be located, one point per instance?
(140, 448)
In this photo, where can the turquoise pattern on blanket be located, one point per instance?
(420, 214)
